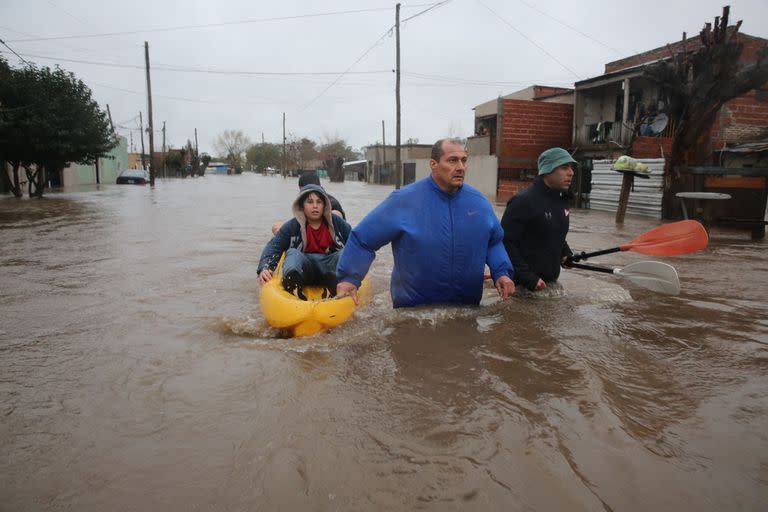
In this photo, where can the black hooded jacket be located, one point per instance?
(535, 225)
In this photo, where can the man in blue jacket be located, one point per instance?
(443, 233)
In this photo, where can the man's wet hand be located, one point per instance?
(345, 288)
(505, 287)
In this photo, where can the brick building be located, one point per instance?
(622, 112)
(511, 132)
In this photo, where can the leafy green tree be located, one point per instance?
(301, 152)
(174, 161)
(264, 155)
(48, 119)
(338, 148)
(205, 159)
(334, 153)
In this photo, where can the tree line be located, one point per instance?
(48, 119)
(301, 153)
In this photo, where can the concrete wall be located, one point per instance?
(481, 173)
(422, 168)
(79, 174)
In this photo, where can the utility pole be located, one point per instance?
(164, 166)
(197, 155)
(285, 170)
(149, 121)
(383, 149)
(398, 164)
(141, 129)
(109, 114)
(262, 137)
(130, 136)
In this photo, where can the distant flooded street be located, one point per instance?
(136, 372)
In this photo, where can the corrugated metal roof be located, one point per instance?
(644, 200)
(750, 147)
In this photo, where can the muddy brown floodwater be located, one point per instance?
(136, 372)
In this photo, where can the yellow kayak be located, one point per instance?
(283, 310)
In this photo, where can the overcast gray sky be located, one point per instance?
(454, 56)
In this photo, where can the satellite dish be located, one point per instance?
(659, 123)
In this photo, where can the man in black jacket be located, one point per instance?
(535, 222)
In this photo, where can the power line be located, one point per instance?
(180, 69)
(347, 71)
(570, 27)
(434, 6)
(14, 52)
(208, 25)
(68, 13)
(366, 52)
(529, 39)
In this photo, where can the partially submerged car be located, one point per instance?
(133, 177)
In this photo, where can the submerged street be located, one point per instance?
(137, 372)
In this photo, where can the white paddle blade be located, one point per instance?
(653, 275)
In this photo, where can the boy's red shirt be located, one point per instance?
(318, 240)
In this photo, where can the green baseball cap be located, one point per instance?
(553, 158)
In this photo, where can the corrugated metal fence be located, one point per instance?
(644, 199)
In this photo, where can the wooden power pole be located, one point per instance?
(398, 163)
(141, 129)
(149, 120)
(164, 166)
(285, 170)
(383, 150)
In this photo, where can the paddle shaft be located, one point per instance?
(584, 255)
(594, 267)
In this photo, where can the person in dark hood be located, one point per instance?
(311, 178)
(312, 241)
(535, 222)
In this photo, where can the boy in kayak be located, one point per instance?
(312, 241)
(311, 178)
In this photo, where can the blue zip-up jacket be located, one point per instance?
(441, 243)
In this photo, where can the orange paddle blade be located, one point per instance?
(681, 237)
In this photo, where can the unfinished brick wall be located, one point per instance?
(528, 128)
(651, 147)
(743, 119)
(749, 52)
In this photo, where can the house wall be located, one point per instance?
(422, 168)
(527, 128)
(560, 98)
(482, 172)
(407, 152)
(743, 119)
(78, 174)
(749, 54)
(651, 147)
(530, 127)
